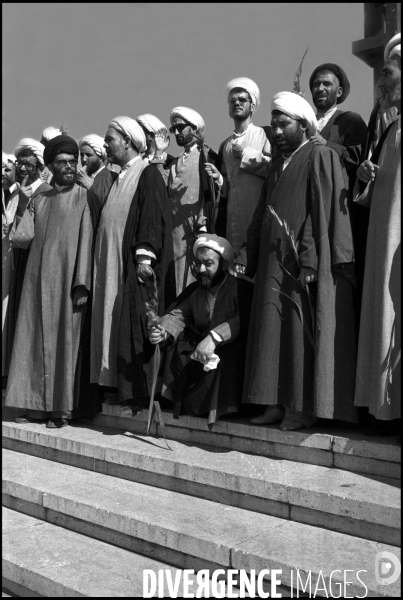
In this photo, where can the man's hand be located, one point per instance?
(143, 270)
(367, 171)
(317, 139)
(83, 179)
(161, 141)
(80, 295)
(212, 171)
(237, 150)
(240, 269)
(157, 334)
(204, 350)
(6, 228)
(307, 275)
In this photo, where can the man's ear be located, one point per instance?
(304, 124)
(252, 107)
(339, 92)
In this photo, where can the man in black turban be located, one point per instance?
(345, 132)
(59, 145)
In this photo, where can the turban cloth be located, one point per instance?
(189, 116)
(295, 107)
(219, 244)
(247, 85)
(96, 142)
(61, 144)
(151, 123)
(5, 158)
(393, 47)
(50, 132)
(340, 74)
(129, 127)
(29, 144)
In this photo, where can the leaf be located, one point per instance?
(301, 316)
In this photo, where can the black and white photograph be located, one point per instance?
(201, 308)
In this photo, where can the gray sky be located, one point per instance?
(83, 64)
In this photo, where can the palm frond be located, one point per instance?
(297, 89)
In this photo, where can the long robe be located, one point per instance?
(379, 364)
(7, 280)
(43, 371)
(217, 392)
(108, 280)
(188, 191)
(281, 365)
(242, 181)
(148, 224)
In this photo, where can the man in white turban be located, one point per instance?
(157, 139)
(301, 358)
(132, 230)
(378, 382)
(92, 156)
(242, 176)
(192, 192)
(213, 312)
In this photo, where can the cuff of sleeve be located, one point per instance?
(216, 336)
(143, 252)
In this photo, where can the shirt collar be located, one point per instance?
(34, 186)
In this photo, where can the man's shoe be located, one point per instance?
(291, 425)
(270, 415)
(26, 419)
(57, 423)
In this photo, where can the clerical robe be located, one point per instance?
(282, 367)
(7, 278)
(43, 371)
(189, 321)
(243, 181)
(148, 226)
(189, 197)
(379, 348)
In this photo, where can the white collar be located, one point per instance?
(287, 160)
(130, 162)
(96, 172)
(34, 186)
(13, 188)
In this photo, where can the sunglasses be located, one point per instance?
(179, 128)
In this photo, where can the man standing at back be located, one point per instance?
(243, 175)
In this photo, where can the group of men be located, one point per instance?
(271, 269)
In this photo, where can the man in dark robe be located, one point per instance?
(208, 324)
(344, 132)
(301, 346)
(44, 375)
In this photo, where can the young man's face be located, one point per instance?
(183, 131)
(90, 159)
(240, 104)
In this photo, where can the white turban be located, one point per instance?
(5, 158)
(29, 144)
(295, 107)
(246, 84)
(96, 142)
(50, 132)
(190, 116)
(129, 127)
(393, 47)
(218, 244)
(150, 122)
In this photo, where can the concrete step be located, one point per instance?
(322, 445)
(44, 560)
(189, 532)
(330, 498)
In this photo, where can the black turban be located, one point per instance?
(61, 144)
(341, 76)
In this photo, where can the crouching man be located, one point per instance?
(206, 331)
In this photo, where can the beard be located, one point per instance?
(208, 282)
(390, 97)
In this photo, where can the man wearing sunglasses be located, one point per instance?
(56, 226)
(192, 192)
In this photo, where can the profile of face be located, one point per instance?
(64, 169)
(8, 174)
(390, 83)
(288, 133)
(90, 159)
(326, 90)
(27, 167)
(210, 266)
(116, 147)
(183, 131)
(240, 105)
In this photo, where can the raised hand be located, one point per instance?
(161, 141)
(83, 179)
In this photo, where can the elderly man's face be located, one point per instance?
(240, 104)
(326, 90)
(390, 83)
(288, 133)
(27, 167)
(210, 268)
(65, 169)
(116, 147)
(183, 131)
(89, 159)
(8, 174)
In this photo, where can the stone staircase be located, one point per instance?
(89, 507)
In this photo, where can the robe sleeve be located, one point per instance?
(152, 204)
(23, 230)
(307, 253)
(83, 262)
(257, 162)
(178, 318)
(229, 330)
(363, 196)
